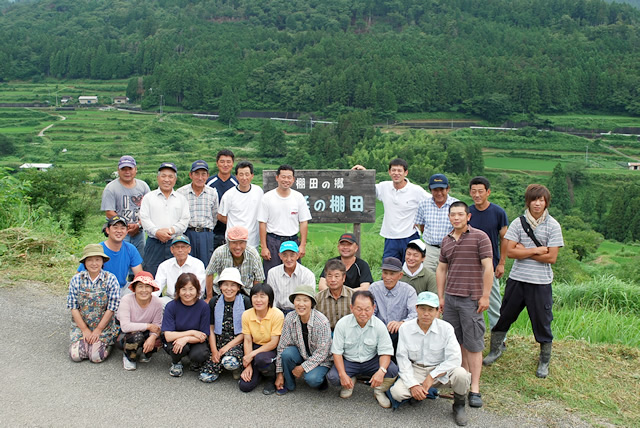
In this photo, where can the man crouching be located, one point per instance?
(429, 355)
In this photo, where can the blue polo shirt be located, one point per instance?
(119, 262)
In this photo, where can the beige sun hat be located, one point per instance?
(93, 250)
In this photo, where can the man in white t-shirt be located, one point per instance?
(239, 205)
(283, 213)
(400, 199)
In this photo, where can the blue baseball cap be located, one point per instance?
(199, 164)
(428, 298)
(181, 238)
(438, 181)
(289, 246)
(169, 165)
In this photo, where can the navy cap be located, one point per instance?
(199, 164)
(169, 165)
(127, 161)
(438, 181)
(392, 264)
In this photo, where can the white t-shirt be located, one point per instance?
(283, 215)
(400, 207)
(241, 209)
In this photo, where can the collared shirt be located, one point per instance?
(250, 270)
(334, 309)
(169, 271)
(157, 212)
(528, 270)
(105, 281)
(435, 220)
(359, 344)
(464, 262)
(203, 208)
(397, 304)
(262, 331)
(437, 348)
(319, 340)
(283, 284)
(241, 209)
(425, 280)
(400, 208)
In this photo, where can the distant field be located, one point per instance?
(521, 164)
(24, 92)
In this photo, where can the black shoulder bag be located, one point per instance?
(529, 231)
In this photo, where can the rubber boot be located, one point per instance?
(545, 356)
(379, 392)
(497, 338)
(459, 411)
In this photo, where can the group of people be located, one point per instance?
(255, 311)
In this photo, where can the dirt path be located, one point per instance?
(41, 133)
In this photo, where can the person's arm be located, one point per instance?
(441, 279)
(235, 342)
(519, 252)
(247, 373)
(405, 367)
(503, 252)
(304, 230)
(209, 286)
(104, 321)
(191, 336)
(222, 218)
(378, 377)
(136, 269)
(322, 284)
(487, 280)
(145, 215)
(181, 225)
(161, 279)
(550, 257)
(77, 318)
(264, 251)
(110, 213)
(215, 355)
(345, 380)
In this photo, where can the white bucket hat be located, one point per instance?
(230, 274)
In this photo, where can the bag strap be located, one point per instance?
(529, 231)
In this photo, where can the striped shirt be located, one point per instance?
(332, 308)
(319, 340)
(250, 269)
(435, 220)
(203, 208)
(106, 281)
(528, 270)
(464, 259)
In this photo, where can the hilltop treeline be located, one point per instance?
(489, 58)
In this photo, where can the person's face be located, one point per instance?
(199, 177)
(413, 258)
(260, 301)
(440, 195)
(426, 314)
(237, 248)
(347, 249)
(302, 305)
(244, 177)
(289, 259)
(397, 174)
(479, 194)
(93, 264)
(180, 251)
(229, 290)
(166, 179)
(390, 278)
(224, 163)
(117, 232)
(458, 217)
(143, 291)
(188, 294)
(536, 207)
(335, 279)
(127, 174)
(362, 309)
(285, 179)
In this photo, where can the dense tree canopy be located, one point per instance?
(405, 55)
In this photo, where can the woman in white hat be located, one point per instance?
(93, 298)
(140, 316)
(226, 338)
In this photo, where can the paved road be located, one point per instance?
(41, 386)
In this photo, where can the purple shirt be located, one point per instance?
(179, 317)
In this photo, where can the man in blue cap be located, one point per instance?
(203, 208)
(285, 278)
(429, 355)
(164, 214)
(432, 218)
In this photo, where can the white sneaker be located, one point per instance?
(128, 365)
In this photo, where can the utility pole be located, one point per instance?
(161, 96)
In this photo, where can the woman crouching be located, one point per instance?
(185, 324)
(140, 316)
(93, 298)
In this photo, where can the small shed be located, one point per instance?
(88, 99)
(65, 99)
(120, 100)
(38, 166)
(634, 166)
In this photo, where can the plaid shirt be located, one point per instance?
(203, 208)
(319, 340)
(250, 269)
(105, 280)
(435, 220)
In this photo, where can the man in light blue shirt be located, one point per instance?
(395, 300)
(362, 347)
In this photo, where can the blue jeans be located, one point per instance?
(290, 359)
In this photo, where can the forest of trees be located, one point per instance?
(488, 58)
